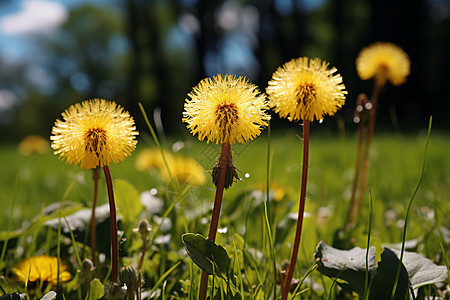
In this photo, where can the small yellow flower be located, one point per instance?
(383, 61)
(150, 158)
(277, 192)
(93, 133)
(185, 170)
(226, 109)
(33, 144)
(182, 168)
(42, 269)
(306, 89)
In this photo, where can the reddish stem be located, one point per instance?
(301, 209)
(350, 211)
(88, 281)
(141, 261)
(113, 224)
(365, 166)
(224, 160)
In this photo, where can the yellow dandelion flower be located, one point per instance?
(33, 144)
(306, 89)
(276, 191)
(42, 269)
(383, 61)
(226, 109)
(185, 170)
(150, 158)
(93, 133)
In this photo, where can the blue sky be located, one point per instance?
(22, 20)
(21, 23)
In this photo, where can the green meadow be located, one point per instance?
(30, 184)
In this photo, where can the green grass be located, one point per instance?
(396, 161)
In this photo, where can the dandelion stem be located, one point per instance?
(95, 176)
(113, 224)
(365, 167)
(224, 159)
(88, 283)
(141, 260)
(350, 214)
(301, 209)
(362, 99)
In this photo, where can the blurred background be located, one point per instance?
(56, 53)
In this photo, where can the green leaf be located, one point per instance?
(235, 293)
(79, 223)
(163, 277)
(383, 281)
(349, 265)
(421, 270)
(283, 228)
(49, 296)
(208, 256)
(13, 296)
(97, 290)
(128, 201)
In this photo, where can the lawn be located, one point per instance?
(30, 184)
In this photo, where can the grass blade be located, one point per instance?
(13, 204)
(309, 271)
(397, 276)
(266, 215)
(163, 277)
(155, 138)
(366, 279)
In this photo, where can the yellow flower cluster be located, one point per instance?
(93, 133)
(42, 269)
(33, 144)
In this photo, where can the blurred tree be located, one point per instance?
(162, 62)
(87, 59)
(14, 85)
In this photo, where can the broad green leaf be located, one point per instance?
(235, 293)
(128, 202)
(208, 256)
(79, 224)
(284, 226)
(13, 296)
(97, 290)
(421, 270)
(49, 296)
(383, 281)
(349, 265)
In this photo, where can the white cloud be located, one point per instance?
(35, 16)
